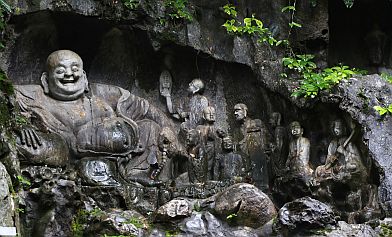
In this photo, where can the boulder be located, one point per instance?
(302, 215)
(176, 208)
(243, 204)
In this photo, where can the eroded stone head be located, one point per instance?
(240, 111)
(296, 129)
(196, 86)
(209, 114)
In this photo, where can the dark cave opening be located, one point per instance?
(360, 36)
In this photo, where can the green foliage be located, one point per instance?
(136, 222)
(383, 110)
(250, 26)
(300, 63)
(348, 3)
(78, 223)
(21, 120)
(20, 210)
(313, 3)
(96, 212)
(231, 216)
(291, 9)
(178, 9)
(385, 230)
(4, 7)
(5, 84)
(386, 77)
(314, 80)
(230, 10)
(23, 181)
(105, 235)
(171, 233)
(131, 4)
(197, 207)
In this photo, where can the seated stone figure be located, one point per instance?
(344, 168)
(86, 120)
(298, 158)
(343, 156)
(296, 178)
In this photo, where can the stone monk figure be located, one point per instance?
(83, 119)
(299, 150)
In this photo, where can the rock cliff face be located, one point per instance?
(131, 46)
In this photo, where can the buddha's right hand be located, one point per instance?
(28, 137)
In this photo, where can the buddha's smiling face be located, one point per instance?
(65, 79)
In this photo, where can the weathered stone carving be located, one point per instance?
(343, 156)
(165, 88)
(254, 144)
(376, 40)
(197, 161)
(191, 110)
(92, 119)
(344, 168)
(295, 179)
(278, 144)
(229, 164)
(209, 138)
(298, 159)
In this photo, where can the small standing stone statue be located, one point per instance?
(376, 42)
(209, 137)
(278, 144)
(197, 162)
(165, 87)
(190, 112)
(254, 145)
(229, 164)
(298, 159)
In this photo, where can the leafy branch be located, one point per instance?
(386, 77)
(312, 79)
(383, 110)
(131, 4)
(178, 9)
(4, 8)
(250, 26)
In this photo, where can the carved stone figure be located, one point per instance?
(209, 138)
(343, 155)
(278, 144)
(191, 110)
(376, 42)
(197, 162)
(229, 164)
(344, 168)
(170, 153)
(254, 144)
(165, 87)
(92, 119)
(298, 158)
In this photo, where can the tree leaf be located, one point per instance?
(290, 8)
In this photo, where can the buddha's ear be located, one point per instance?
(44, 82)
(85, 81)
